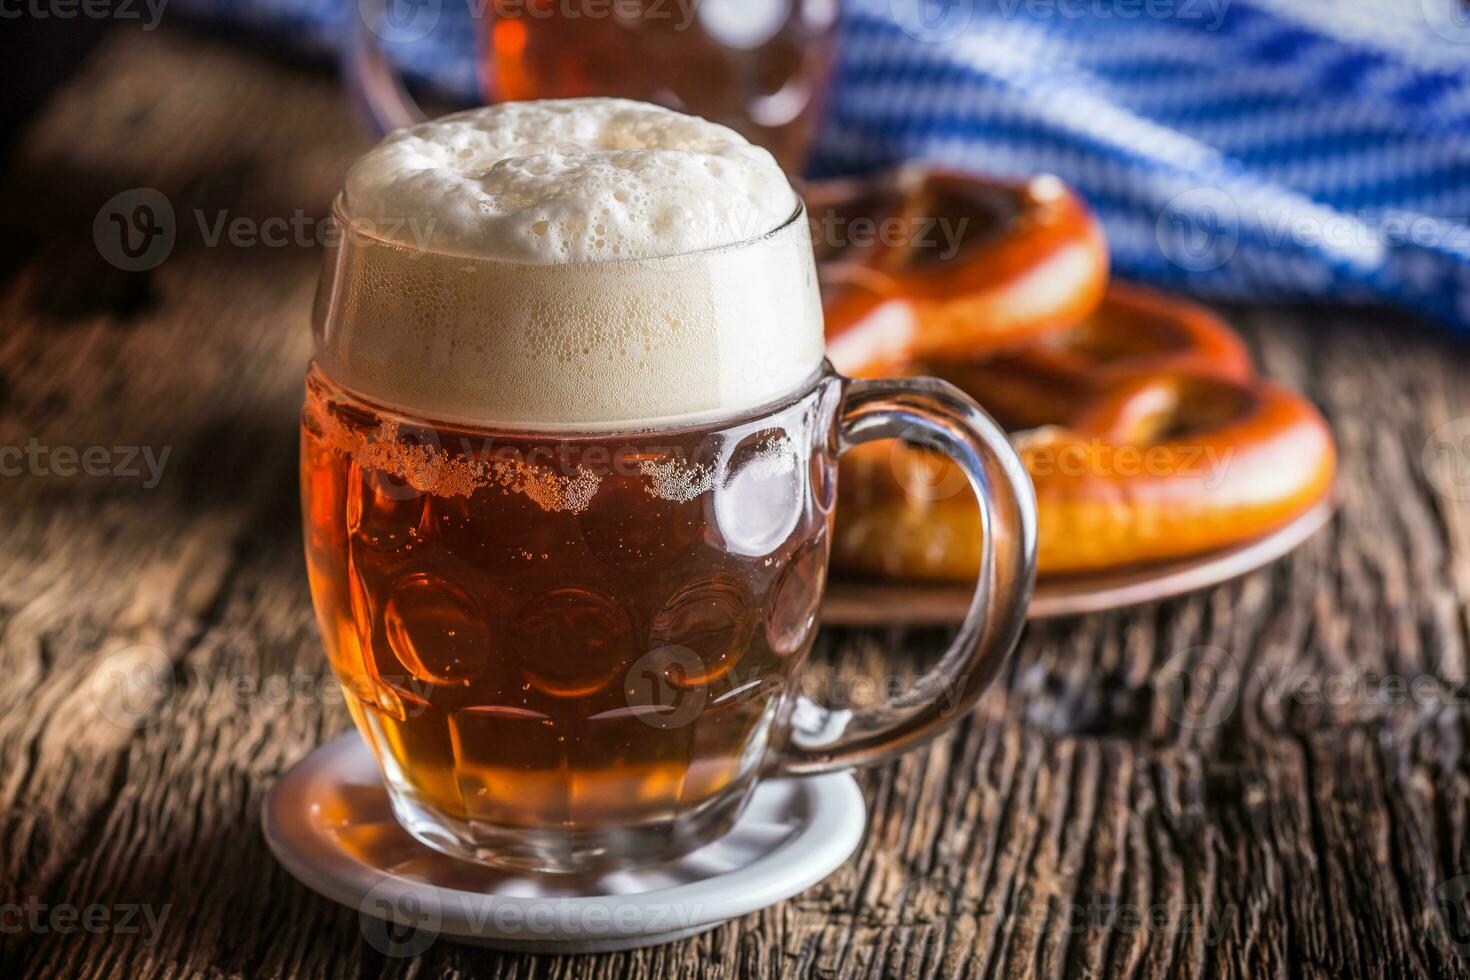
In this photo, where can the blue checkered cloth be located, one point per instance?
(1238, 149)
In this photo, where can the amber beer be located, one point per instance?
(567, 471)
(519, 663)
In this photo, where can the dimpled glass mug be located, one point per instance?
(567, 528)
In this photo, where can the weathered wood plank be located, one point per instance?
(1100, 815)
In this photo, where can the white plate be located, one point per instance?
(329, 823)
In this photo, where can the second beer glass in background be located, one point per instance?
(761, 67)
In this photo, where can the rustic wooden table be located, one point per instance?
(1305, 812)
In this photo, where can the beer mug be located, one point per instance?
(761, 67)
(567, 522)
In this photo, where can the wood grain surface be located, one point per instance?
(1267, 779)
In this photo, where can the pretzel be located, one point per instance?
(1217, 462)
(923, 264)
(1145, 434)
(1135, 331)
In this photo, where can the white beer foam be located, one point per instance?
(575, 180)
(583, 263)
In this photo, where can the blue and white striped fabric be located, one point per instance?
(1296, 150)
(1289, 152)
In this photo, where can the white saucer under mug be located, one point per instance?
(329, 823)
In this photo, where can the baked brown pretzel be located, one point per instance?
(1144, 432)
(1136, 331)
(917, 263)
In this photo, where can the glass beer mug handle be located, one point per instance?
(935, 414)
(378, 94)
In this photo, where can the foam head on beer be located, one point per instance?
(583, 264)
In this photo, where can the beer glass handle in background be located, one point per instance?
(938, 415)
(378, 94)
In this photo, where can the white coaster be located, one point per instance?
(329, 823)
